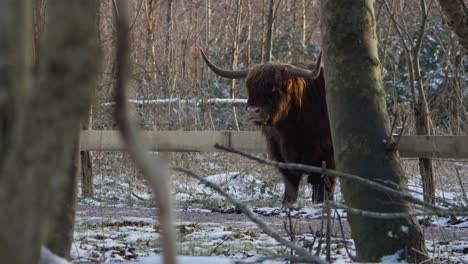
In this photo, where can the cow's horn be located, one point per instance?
(224, 73)
(304, 73)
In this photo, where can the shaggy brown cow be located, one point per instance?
(288, 102)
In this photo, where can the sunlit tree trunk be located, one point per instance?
(360, 126)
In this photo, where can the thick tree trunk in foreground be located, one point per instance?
(41, 119)
(360, 125)
(60, 236)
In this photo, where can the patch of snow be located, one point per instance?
(244, 187)
(188, 260)
(394, 258)
(196, 210)
(218, 234)
(139, 236)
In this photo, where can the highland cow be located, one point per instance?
(288, 102)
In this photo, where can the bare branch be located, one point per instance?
(380, 215)
(461, 185)
(432, 209)
(155, 170)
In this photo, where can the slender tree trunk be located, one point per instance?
(359, 124)
(270, 29)
(235, 58)
(150, 9)
(86, 163)
(249, 34)
(303, 30)
(421, 111)
(169, 48)
(262, 48)
(38, 23)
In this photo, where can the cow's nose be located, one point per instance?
(253, 109)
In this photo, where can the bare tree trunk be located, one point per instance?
(169, 47)
(355, 93)
(150, 8)
(456, 15)
(262, 48)
(421, 111)
(60, 236)
(303, 24)
(458, 97)
(420, 105)
(41, 123)
(235, 58)
(86, 162)
(39, 20)
(249, 35)
(269, 34)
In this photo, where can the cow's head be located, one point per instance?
(272, 88)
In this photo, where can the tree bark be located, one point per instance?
(262, 44)
(235, 58)
(41, 120)
(360, 126)
(248, 37)
(456, 15)
(60, 236)
(86, 163)
(269, 34)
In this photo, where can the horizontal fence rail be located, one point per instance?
(220, 102)
(253, 141)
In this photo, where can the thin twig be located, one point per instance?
(320, 242)
(136, 16)
(263, 226)
(220, 243)
(328, 244)
(343, 235)
(461, 185)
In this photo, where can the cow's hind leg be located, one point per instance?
(321, 187)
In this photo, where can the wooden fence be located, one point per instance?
(251, 141)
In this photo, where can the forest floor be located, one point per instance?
(121, 224)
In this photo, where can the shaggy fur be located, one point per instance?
(296, 124)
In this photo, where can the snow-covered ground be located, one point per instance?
(104, 238)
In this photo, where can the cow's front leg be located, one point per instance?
(291, 181)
